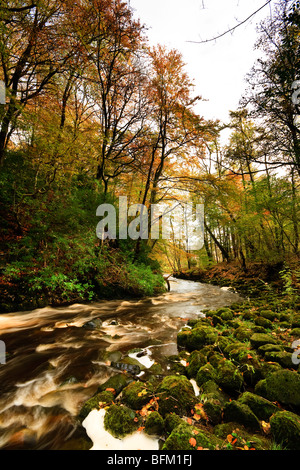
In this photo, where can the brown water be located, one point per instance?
(54, 364)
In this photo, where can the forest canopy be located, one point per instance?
(93, 112)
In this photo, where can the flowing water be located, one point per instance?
(54, 363)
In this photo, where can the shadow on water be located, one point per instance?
(55, 360)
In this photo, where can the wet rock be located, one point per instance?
(261, 407)
(282, 386)
(94, 324)
(240, 413)
(264, 322)
(285, 429)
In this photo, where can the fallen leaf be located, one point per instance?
(193, 441)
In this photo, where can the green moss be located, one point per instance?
(241, 413)
(229, 378)
(185, 437)
(196, 338)
(176, 394)
(171, 421)
(197, 359)
(285, 429)
(259, 339)
(119, 421)
(282, 386)
(95, 403)
(154, 424)
(136, 395)
(116, 382)
(205, 373)
(243, 437)
(261, 407)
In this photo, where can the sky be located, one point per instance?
(217, 68)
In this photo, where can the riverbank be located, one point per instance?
(234, 385)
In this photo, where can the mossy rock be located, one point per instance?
(213, 411)
(154, 424)
(95, 403)
(295, 332)
(171, 421)
(197, 359)
(116, 382)
(296, 321)
(185, 437)
(268, 368)
(285, 429)
(241, 413)
(205, 373)
(282, 386)
(259, 339)
(243, 333)
(261, 407)
(196, 338)
(215, 359)
(210, 390)
(264, 322)
(156, 369)
(269, 314)
(229, 378)
(242, 436)
(136, 395)
(120, 420)
(223, 342)
(282, 357)
(269, 348)
(176, 394)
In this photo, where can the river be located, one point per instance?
(55, 362)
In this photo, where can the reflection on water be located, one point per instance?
(54, 362)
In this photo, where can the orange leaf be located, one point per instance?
(229, 438)
(110, 390)
(189, 421)
(199, 448)
(193, 441)
(141, 428)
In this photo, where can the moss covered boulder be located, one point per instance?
(197, 359)
(205, 373)
(96, 402)
(186, 437)
(116, 383)
(196, 338)
(176, 394)
(154, 424)
(136, 395)
(237, 437)
(229, 378)
(285, 429)
(238, 412)
(261, 407)
(259, 339)
(120, 421)
(282, 386)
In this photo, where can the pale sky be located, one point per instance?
(217, 68)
